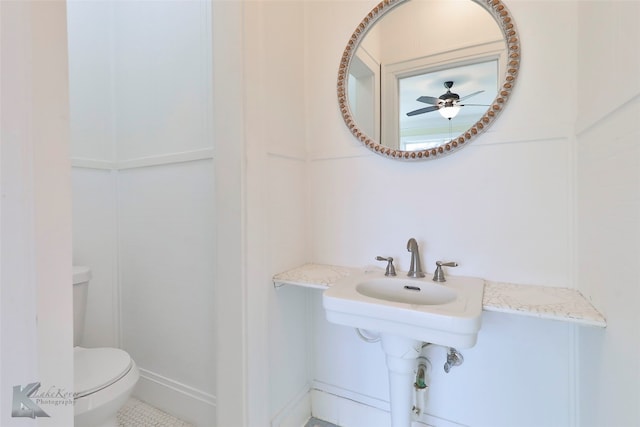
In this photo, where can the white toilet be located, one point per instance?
(104, 377)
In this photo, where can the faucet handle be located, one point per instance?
(391, 270)
(438, 275)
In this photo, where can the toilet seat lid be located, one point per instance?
(97, 368)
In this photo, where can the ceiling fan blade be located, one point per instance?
(423, 110)
(473, 105)
(470, 95)
(428, 100)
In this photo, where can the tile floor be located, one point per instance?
(314, 422)
(136, 413)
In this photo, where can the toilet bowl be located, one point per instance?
(103, 377)
(104, 380)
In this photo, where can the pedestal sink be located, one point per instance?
(407, 312)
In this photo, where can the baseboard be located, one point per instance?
(346, 412)
(177, 399)
(346, 408)
(296, 412)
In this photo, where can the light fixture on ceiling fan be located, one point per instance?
(448, 104)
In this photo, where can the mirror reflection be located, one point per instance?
(423, 74)
(430, 121)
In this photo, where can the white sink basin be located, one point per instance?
(405, 291)
(447, 314)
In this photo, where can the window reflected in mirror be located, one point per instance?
(476, 85)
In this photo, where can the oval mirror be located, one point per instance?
(419, 79)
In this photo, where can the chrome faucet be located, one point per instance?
(415, 270)
(391, 270)
(438, 275)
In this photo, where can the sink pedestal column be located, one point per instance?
(401, 362)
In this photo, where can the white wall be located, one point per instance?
(502, 207)
(231, 302)
(95, 233)
(417, 40)
(143, 184)
(277, 234)
(92, 103)
(608, 159)
(35, 310)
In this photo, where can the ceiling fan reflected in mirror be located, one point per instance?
(448, 104)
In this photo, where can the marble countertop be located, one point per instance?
(544, 302)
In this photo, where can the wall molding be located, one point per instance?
(543, 133)
(295, 413)
(81, 163)
(590, 120)
(175, 398)
(143, 162)
(373, 402)
(351, 409)
(287, 156)
(164, 159)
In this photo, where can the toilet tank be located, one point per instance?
(81, 277)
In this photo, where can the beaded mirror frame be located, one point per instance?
(505, 21)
